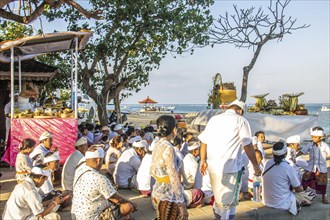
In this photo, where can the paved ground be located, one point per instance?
(246, 210)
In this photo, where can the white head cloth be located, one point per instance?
(99, 153)
(239, 104)
(45, 135)
(80, 142)
(140, 144)
(194, 146)
(118, 127)
(113, 123)
(40, 171)
(280, 152)
(105, 128)
(137, 128)
(318, 133)
(55, 156)
(148, 136)
(294, 139)
(133, 139)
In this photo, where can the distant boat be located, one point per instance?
(153, 108)
(149, 106)
(325, 109)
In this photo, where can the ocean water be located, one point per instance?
(313, 109)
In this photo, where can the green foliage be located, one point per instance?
(10, 30)
(61, 80)
(133, 39)
(65, 94)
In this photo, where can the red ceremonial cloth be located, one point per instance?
(64, 131)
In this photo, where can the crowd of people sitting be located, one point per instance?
(160, 165)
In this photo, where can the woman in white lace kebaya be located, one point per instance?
(23, 163)
(113, 153)
(167, 194)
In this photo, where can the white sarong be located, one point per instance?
(226, 188)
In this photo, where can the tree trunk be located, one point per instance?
(117, 108)
(246, 72)
(102, 113)
(247, 69)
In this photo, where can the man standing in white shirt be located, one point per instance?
(39, 152)
(221, 150)
(93, 194)
(128, 165)
(25, 201)
(71, 163)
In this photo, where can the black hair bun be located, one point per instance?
(163, 130)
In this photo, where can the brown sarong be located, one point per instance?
(167, 210)
(321, 178)
(111, 213)
(317, 181)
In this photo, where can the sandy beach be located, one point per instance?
(247, 210)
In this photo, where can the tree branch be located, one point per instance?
(87, 14)
(39, 9)
(23, 19)
(5, 2)
(124, 60)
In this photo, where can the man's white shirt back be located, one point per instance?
(127, 166)
(225, 134)
(69, 169)
(91, 193)
(276, 183)
(190, 173)
(143, 177)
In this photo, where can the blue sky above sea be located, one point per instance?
(299, 63)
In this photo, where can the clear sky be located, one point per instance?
(299, 63)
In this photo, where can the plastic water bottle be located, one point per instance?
(256, 189)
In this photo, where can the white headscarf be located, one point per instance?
(80, 142)
(194, 146)
(54, 157)
(280, 152)
(45, 135)
(40, 171)
(99, 153)
(295, 139)
(140, 144)
(318, 133)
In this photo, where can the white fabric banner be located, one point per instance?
(276, 127)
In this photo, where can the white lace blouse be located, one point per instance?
(23, 164)
(164, 164)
